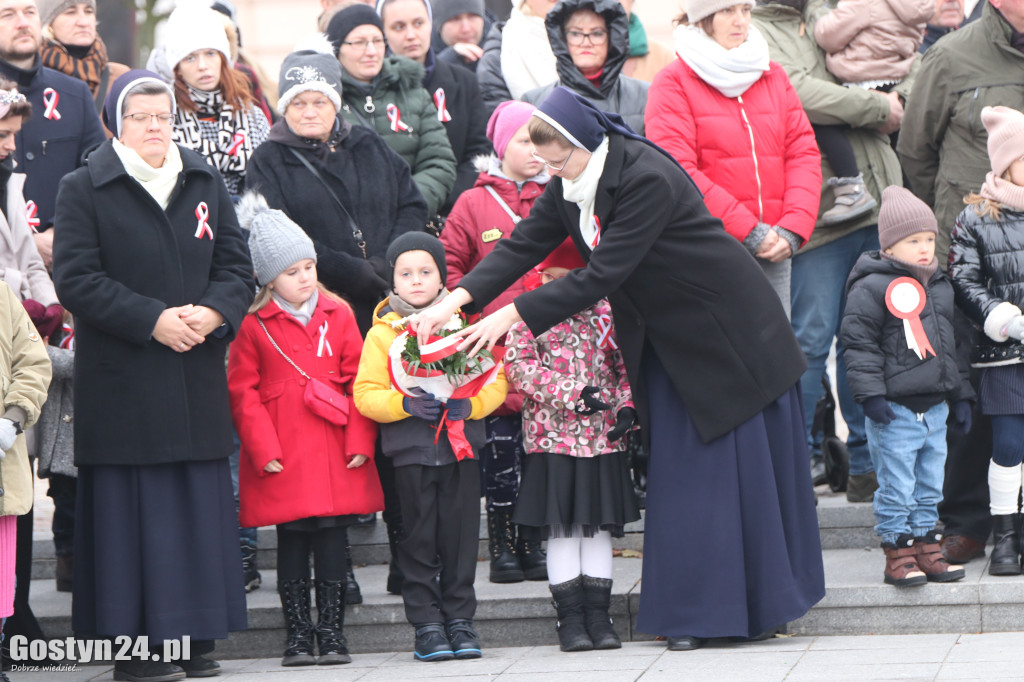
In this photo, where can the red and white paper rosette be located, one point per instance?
(905, 299)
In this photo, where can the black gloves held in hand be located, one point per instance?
(589, 402)
(877, 410)
(425, 407)
(458, 408)
(623, 420)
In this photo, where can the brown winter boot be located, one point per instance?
(901, 567)
(931, 562)
(852, 200)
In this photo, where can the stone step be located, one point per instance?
(857, 602)
(842, 525)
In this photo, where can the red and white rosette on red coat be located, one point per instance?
(905, 299)
(417, 381)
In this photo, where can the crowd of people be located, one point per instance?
(448, 256)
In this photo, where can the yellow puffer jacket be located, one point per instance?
(24, 377)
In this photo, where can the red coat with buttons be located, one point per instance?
(273, 421)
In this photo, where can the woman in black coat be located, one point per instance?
(150, 260)
(731, 544)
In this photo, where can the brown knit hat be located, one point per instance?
(902, 214)
(1005, 128)
(699, 9)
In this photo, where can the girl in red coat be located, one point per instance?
(304, 452)
(510, 181)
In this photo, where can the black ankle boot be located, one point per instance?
(353, 595)
(147, 671)
(505, 566)
(531, 555)
(332, 648)
(395, 578)
(295, 604)
(568, 599)
(597, 600)
(1006, 552)
(251, 577)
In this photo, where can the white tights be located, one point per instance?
(577, 555)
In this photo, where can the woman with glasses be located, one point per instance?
(731, 118)
(217, 115)
(731, 545)
(150, 260)
(590, 39)
(386, 94)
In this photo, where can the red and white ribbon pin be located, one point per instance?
(605, 340)
(32, 213)
(905, 299)
(236, 142)
(324, 343)
(442, 110)
(203, 216)
(595, 225)
(395, 117)
(50, 99)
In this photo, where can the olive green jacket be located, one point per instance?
(420, 139)
(943, 144)
(24, 377)
(826, 101)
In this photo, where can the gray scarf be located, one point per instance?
(304, 313)
(399, 306)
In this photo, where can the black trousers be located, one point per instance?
(836, 148)
(441, 514)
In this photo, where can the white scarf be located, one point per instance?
(527, 61)
(731, 72)
(159, 182)
(583, 190)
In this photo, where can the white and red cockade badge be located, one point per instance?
(324, 344)
(32, 214)
(595, 225)
(50, 100)
(395, 118)
(236, 142)
(442, 109)
(905, 299)
(606, 340)
(203, 226)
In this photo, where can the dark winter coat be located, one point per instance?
(493, 88)
(878, 361)
(374, 185)
(424, 146)
(50, 148)
(676, 282)
(986, 262)
(273, 421)
(617, 93)
(120, 260)
(467, 129)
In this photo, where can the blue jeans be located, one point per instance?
(818, 291)
(909, 455)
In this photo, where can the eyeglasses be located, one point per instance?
(364, 45)
(598, 37)
(551, 165)
(163, 119)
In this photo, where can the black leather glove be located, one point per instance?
(877, 410)
(425, 407)
(623, 420)
(589, 402)
(372, 286)
(963, 414)
(459, 408)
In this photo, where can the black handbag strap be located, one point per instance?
(357, 234)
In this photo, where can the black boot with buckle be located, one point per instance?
(568, 599)
(505, 566)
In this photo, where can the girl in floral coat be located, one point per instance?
(576, 484)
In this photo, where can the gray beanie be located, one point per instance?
(446, 9)
(700, 9)
(275, 242)
(49, 9)
(312, 66)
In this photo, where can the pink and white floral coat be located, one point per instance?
(551, 372)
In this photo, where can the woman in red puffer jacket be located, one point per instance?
(733, 121)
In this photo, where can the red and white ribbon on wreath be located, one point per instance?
(605, 340)
(324, 343)
(203, 226)
(50, 99)
(439, 347)
(236, 142)
(395, 118)
(905, 299)
(32, 214)
(442, 110)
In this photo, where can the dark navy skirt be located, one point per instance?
(731, 546)
(156, 552)
(1002, 390)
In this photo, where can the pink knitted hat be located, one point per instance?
(902, 214)
(1005, 128)
(509, 117)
